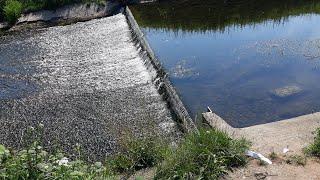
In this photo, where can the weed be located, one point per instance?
(314, 148)
(207, 154)
(273, 155)
(297, 160)
(137, 154)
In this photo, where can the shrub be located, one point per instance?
(207, 154)
(12, 10)
(314, 148)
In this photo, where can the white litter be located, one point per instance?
(258, 156)
(285, 150)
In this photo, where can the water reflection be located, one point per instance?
(235, 55)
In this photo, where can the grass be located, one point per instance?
(137, 154)
(314, 148)
(297, 160)
(207, 154)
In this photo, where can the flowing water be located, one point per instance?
(86, 83)
(251, 61)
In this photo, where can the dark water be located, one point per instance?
(251, 61)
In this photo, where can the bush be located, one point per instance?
(207, 154)
(314, 148)
(12, 10)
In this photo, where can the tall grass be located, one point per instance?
(314, 148)
(207, 154)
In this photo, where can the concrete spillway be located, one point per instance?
(86, 83)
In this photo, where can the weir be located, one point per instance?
(88, 85)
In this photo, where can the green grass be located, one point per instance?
(207, 154)
(204, 154)
(136, 154)
(314, 148)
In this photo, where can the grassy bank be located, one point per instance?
(207, 154)
(10, 10)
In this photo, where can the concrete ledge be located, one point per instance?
(295, 133)
(161, 78)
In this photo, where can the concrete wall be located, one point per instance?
(161, 77)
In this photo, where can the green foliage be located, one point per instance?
(12, 10)
(207, 154)
(314, 148)
(137, 154)
(35, 163)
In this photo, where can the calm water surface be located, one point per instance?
(252, 62)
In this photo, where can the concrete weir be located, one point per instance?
(86, 83)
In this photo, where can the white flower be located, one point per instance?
(63, 162)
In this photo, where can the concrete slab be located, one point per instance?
(295, 133)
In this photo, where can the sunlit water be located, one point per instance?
(85, 82)
(250, 63)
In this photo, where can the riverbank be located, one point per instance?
(285, 139)
(65, 15)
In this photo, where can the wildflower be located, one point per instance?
(63, 162)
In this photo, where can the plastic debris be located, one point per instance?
(258, 156)
(285, 150)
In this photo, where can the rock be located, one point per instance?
(286, 91)
(4, 25)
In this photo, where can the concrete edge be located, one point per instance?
(162, 81)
